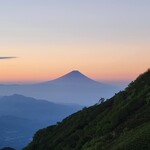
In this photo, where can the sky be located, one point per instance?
(108, 40)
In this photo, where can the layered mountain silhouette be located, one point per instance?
(120, 123)
(73, 87)
(21, 116)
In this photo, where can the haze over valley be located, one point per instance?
(74, 87)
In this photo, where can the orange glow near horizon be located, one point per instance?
(33, 77)
(105, 62)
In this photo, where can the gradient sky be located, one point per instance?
(104, 39)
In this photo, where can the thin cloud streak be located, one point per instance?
(8, 57)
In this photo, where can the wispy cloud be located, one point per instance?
(7, 57)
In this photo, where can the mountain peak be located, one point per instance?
(74, 76)
(75, 73)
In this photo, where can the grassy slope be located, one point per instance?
(120, 123)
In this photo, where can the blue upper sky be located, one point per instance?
(98, 19)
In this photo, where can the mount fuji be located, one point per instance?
(73, 77)
(73, 88)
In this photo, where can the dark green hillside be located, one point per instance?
(120, 123)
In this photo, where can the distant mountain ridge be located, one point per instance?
(120, 123)
(73, 87)
(21, 116)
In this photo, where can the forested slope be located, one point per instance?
(120, 123)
